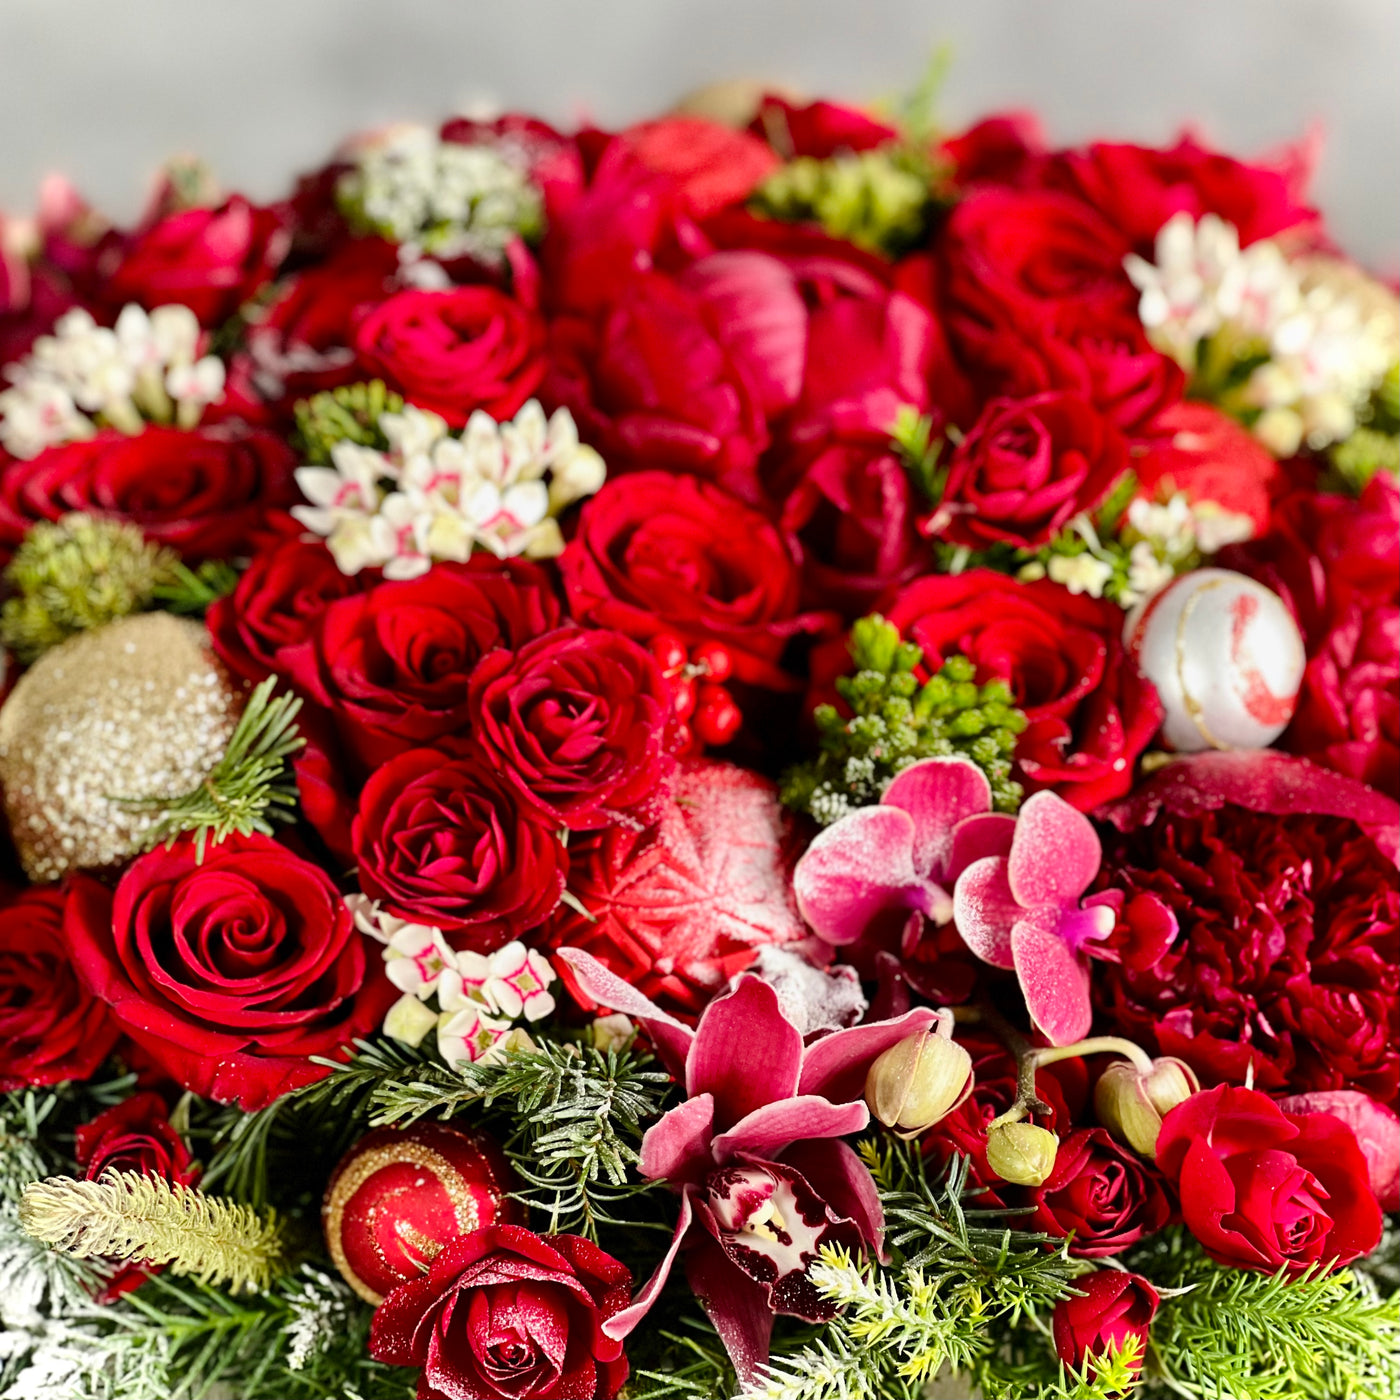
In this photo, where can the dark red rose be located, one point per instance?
(230, 973)
(582, 722)
(1026, 468)
(1101, 1193)
(304, 342)
(1091, 711)
(1115, 1306)
(450, 842)
(133, 1136)
(660, 553)
(503, 1314)
(819, 129)
(1264, 1189)
(1289, 915)
(276, 606)
(1137, 189)
(652, 385)
(214, 493)
(456, 351)
(51, 1028)
(1335, 561)
(391, 663)
(211, 260)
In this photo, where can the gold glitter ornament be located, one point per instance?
(138, 708)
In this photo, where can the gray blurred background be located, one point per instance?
(106, 89)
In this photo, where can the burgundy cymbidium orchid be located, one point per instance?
(755, 1153)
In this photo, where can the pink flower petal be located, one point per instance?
(746, 1053)
(671, 1037)
(984, 910)
(990, 834)
(620, 1324)
(1055, 855)
(844, 1182)
(1054, 980)
(736, 1304)
(938, 793)
(677, 1146)
(836, 1065)
(858, 869)
(769, 1129)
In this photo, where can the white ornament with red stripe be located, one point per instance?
(1226, 657)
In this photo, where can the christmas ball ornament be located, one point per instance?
(138, 708)
(1226, 657)
(401, 1194)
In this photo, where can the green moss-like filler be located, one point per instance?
(76, 574)
(347, 414)
(898, 720)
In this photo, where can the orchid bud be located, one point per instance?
(1131, 1103)
(1021, 1153)
(918, 1081)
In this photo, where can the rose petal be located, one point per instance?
(985, 910)
(1055, 854)
(1377, 1130)
(938, 793)
(1054, 979)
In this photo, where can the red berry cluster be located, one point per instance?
(705, 709)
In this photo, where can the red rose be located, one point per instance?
(1264, 1189)
(449, 842)
(713, 166)
(1114, 1306)
(210, 494)
(1024, 470)
(1289, 914)
(999, 150)
(230, 973)
(133, 1136)
(503, 1314)
(1091, 711)
(211, 260)
(51, 1028)
(661, 553)
(1102, 1194)
(391, 663)
(581, 721)
(456, 351)
(276, 606)
(820, 129)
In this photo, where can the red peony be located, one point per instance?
(1101, 1193)
(450, 842)
(51, 1027)
(456, 351)
(1024, 470)
(1114, 1306)
(581, 722)
(231, 972)
(1264, 1189)
(503, 1314)
(1289, 915)
(211, 260)
(1091, 711)
(214, 493)
(390, 664)
(660, 553)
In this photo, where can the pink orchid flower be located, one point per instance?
(885, 869)
(755, 1154)
(1020, 907)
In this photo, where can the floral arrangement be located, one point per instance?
(754, 756)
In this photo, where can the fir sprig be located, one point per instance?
(192, 592)
(129, 1215)
(248, 789)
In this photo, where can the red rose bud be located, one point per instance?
(717, 717)
(919, 1081)
(1131, 1103)
(1114, 1307)
(1021, 1153)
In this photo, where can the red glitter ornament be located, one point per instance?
(401, 1194)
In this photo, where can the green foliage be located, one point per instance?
(1358, 458)
(192, 591)
(896, 720)
(348, 414)
(76, 574)
(248, 789)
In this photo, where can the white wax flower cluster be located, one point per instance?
(479, 996)
(441, 198)
(1327, 333)
(146, 368)
(432, 496)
